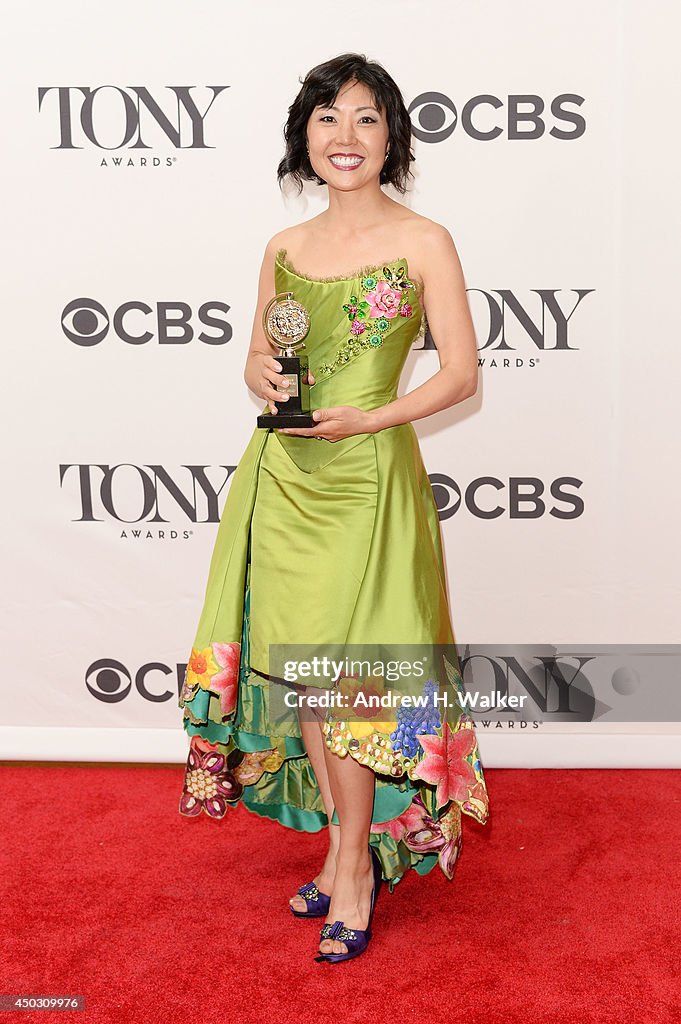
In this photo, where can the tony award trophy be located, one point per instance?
(286, 323)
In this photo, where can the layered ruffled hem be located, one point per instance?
(239, 753)
(404, 831)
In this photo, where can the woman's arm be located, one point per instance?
(261, 370)
(451, 324)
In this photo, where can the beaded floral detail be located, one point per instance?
(310, 893)
(208, 783)
(371, 313)
(419, 746)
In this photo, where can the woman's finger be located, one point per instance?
(270, 392)
(272, 368)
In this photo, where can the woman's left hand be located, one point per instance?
(334, 423)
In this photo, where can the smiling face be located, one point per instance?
(348, 140)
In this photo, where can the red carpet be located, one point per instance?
(564, 908)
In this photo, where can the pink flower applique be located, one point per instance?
(226, 683)
(423, 835)
(443, 836)
(411, 820)
(445, 764)
(204, 672)
(383, 300)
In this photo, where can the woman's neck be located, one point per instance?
(352, 214)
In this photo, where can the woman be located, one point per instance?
(339, 543)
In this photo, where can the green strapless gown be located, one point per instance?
(333, 543)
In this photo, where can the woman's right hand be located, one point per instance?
(262, 373)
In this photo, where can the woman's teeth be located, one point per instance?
(346, 163)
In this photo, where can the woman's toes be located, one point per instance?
(298, 903)
(332, 946)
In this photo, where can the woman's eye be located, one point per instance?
(367, 117)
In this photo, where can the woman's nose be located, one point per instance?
(346, 133)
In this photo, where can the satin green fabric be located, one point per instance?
(325, 543)
(349, 528)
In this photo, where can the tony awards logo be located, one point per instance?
(286, 323)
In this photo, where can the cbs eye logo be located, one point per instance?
(86, 322)
(434, 117)
(437, 118)
(110, 682)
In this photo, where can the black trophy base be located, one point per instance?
(286, 419)
(297, 404)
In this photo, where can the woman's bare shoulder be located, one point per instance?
(425, 242)
(292, 237)
(425, 232)
(432, 246)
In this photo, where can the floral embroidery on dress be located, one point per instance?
(413, 722)
(215, 668)
(255, 763)
(419, 746)
(423, 834)
(208, 783)
(445, 764)
(371, 314)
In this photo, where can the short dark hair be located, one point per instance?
(320, 87)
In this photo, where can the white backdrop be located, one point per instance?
(567, 224)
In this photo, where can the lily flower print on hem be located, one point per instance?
(445, 764)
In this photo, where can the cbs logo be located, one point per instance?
(86, 322)
(485, 117)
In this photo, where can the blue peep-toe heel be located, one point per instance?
(316, 901)
(355, 939)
